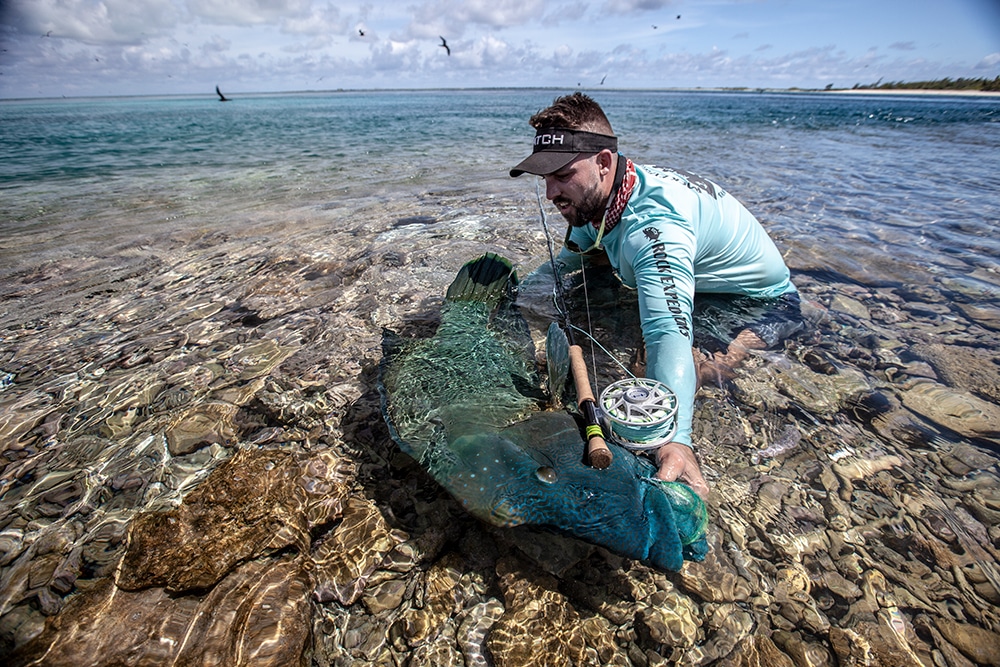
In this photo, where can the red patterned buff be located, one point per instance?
(617, 202)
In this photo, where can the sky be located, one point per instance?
(53, 48)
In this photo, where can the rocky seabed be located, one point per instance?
(195, 471)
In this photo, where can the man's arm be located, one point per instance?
(662, 258)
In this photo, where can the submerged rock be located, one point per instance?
(209, 438)
(259, 615)
(538, 622)
(258, 502)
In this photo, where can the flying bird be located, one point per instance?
(222, 98)
(445, 45)
(678, 16)
(361, 32)
(654, 27)
(603, 78)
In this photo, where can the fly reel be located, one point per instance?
(639, 413)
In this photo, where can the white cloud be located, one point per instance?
(395, 56)
(637, 5)
(248, 12)
(499, 13)
(321, 20)
(141, 46)
(95, 22)
(452, 17)
(990, 62)
(565, 13)
(216, 45)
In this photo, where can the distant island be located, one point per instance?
(960, 84)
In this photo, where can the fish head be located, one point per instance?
(534, 473)
(507, 483)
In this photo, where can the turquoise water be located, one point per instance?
(912, 175)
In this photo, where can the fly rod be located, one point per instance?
(598, 454)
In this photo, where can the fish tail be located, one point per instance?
(489, 278)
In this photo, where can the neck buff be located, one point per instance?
(625, 180)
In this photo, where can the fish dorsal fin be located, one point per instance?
(557, 361)
(489, 278)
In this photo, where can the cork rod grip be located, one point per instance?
(598, 454)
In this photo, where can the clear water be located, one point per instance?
(162, 256)
(864, 178)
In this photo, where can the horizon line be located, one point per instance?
(680, 89)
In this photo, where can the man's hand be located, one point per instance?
(678, 462)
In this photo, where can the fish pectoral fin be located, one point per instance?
(556, 361)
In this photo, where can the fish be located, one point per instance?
(469, 405)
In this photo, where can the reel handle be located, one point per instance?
(598, 454)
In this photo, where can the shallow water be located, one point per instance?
(181, 279)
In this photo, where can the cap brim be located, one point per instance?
(542, 163)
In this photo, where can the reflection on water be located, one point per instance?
(202, 343)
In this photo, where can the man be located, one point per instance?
(667, 234)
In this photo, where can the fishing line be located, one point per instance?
(638, 413)
(605, 350)
(560, 296)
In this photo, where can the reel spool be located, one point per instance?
(640, 413)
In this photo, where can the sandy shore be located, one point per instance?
(914, 91)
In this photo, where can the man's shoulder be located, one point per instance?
(674, 178)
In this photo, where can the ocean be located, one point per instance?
(182, 278)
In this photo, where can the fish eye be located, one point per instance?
(546, 474)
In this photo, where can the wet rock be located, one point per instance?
(553, 553)
(959, 411)
(257, 502)
(538, 622)
(964, 459)
(384, 595)
(887, 641)
(983, 314)
(19, 627)
(775, 385)
(979, 645)
(263, 606)
(757, 651)
(803, 653)
(203, 425)
(727, 625)
(474, 626)
(850, 648)
(601, 636)
(442, 650)
(669, 620)
(971, 369)
(792, 590)
(845, 304)
(716, 579)
(346, 559)
(854, 469)
(440, 600)
(128, 407)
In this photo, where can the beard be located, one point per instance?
(590, 207)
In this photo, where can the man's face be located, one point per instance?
(576, 190)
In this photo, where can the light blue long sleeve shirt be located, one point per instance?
(681, 234)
